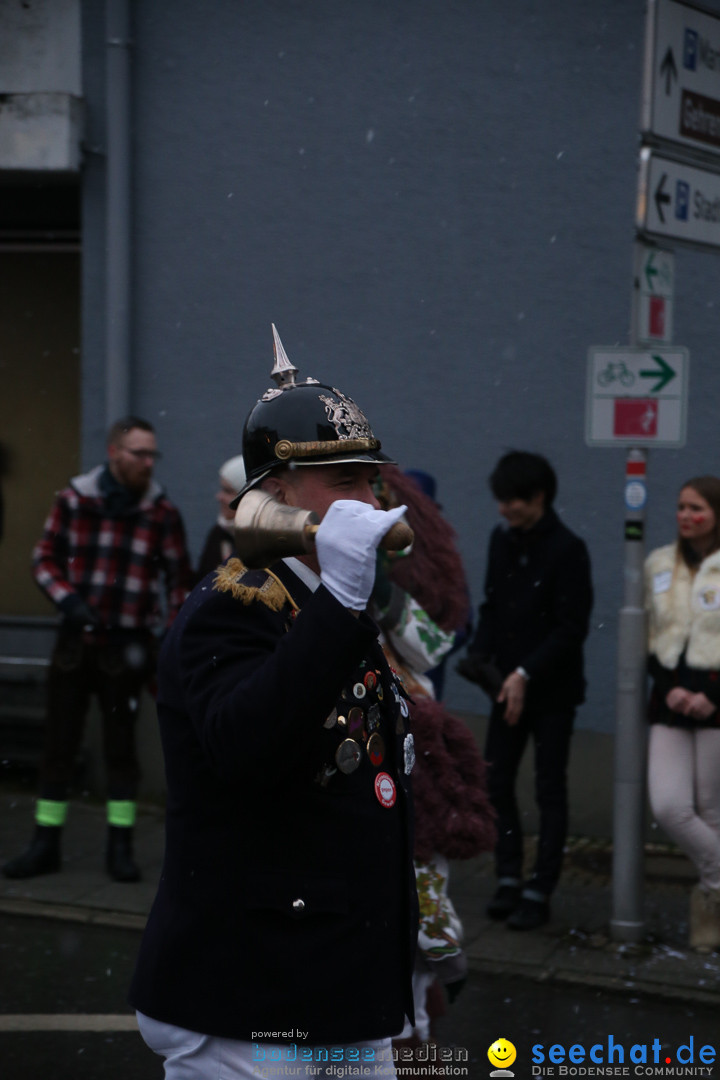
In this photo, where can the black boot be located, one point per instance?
(42, 857)
(120, 864)
(530, 914)
(504, 902)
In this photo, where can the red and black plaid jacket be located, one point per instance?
(114, 563)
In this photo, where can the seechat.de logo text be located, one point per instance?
(613, 1058)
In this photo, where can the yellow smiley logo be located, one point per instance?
(502, 1053)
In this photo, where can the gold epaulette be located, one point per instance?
(249, 585)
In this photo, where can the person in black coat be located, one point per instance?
(285, 921)
(527, 653)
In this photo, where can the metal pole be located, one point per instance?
(117, 264)
(627, 922)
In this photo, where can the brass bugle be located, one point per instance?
(266, 530)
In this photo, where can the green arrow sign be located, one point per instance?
(650, 270)
(663, 372)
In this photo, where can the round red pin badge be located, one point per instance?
(385, 789)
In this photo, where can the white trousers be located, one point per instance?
(191, 1056)
(684, 789)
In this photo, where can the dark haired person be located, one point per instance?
(111, 537)
(527, 653)
(682, 585)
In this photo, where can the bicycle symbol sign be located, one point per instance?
(636, 396)
(616, 371)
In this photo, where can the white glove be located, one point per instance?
(346, 543)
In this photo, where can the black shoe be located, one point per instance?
(42, 857)
(529, 914)
(504, 902)
(119, 863)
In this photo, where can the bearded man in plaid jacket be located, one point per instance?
(111, 538)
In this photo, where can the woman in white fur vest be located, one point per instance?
(682, 587)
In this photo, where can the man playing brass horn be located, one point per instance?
(285, 922)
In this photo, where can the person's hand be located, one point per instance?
(346, 544)
(677, 700)
(77, 615)
(512, 694)
(699, 707)
(695, 706)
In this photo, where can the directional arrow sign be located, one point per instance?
(678, 200)
(653, 295)
(668, 69)
(681, 86)
(661, 198)
(636, 397)
(663, 373)
(650, 271)
(657, 271)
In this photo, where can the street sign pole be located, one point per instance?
(678, 201)
(628, 892)
(628, 922)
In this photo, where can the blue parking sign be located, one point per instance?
(690, 50)
(682, 200)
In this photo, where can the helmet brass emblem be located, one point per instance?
(345, 416)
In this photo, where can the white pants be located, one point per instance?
(191, 1056)
(684, 789)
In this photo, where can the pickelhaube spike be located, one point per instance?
(283, 372)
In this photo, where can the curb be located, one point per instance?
(72, 913)
(612, 984)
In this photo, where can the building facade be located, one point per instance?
(433, 201)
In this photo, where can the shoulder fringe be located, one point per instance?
(250, 585)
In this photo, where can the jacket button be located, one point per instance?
(298, 905)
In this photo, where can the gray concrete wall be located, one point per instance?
(40, 47)
(434, 202)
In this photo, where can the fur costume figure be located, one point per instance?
(453, 815)
(433, 573)
(422, 605)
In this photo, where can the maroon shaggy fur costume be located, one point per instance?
(433, 572)
(453, 815)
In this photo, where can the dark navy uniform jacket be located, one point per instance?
(287, 898)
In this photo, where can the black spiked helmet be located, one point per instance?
(306, 423)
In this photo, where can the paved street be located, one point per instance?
(68, 941)
(74, 976)
(529, 1012)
